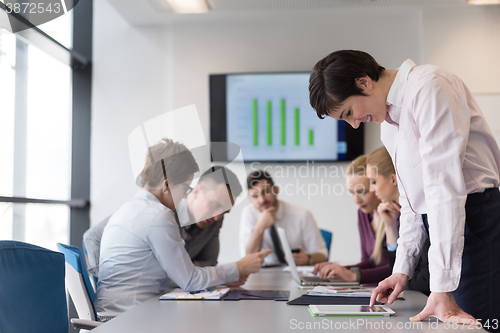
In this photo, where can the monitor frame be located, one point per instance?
(218, 122)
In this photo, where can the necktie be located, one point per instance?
(277, 245)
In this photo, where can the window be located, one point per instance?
(38, 140)
(35, 137)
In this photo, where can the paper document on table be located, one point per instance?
(304, 270)
(341, 291)
(179, 294)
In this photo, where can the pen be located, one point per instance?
(196, 292)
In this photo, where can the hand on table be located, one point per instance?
(330, 269)
(241, 281)
(443, 307)
(301, 258)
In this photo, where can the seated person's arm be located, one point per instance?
(265, 220)
(254, 244)
(302, 258)
(317, 257)
(389, 212)
(366, 275)
(168, 247)
(315, 247)
(331, 269)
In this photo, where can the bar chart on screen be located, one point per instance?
(269, 117)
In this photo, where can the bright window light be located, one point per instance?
(484, 2)
(188, 6)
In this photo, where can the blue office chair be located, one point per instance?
(327, 236)
(32, 294)
(93, 279)
(80, 289)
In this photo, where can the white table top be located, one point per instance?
(263, 316)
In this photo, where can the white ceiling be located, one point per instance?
(156, 12)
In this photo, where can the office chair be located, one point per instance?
(32, 294)
(81, 290)
(93, 279)
(327, 236)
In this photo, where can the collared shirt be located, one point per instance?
(142, 254)
(202, 245)
(442, 149)
(299, 225)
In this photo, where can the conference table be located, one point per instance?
(252, 316)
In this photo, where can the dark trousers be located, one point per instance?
(479, 290)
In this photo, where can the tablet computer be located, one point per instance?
(350, 310)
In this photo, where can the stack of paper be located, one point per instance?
(180, 294)
(341, 291)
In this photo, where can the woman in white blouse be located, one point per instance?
(447, 162)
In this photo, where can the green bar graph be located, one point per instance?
(283, 123)
(311, 137)
(269, 124)
(255, 123)
(297, 126)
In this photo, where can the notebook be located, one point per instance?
(306, 280)
(179, 294)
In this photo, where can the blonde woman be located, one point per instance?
(383, 182)
(374, 265)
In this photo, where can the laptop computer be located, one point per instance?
(307, 280)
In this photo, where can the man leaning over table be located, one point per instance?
(142, 252)
(201, 236)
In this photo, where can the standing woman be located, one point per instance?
(374, 266)
(384, 183)
(447, 162)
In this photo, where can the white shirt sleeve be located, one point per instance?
(168, 247)
(247, 223)
(443, 119)
(313, 241)
(412, 236)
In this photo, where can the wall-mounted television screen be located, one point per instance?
(269, 117)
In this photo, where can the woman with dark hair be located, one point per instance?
(447, 162)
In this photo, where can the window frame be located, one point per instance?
(79, 58)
